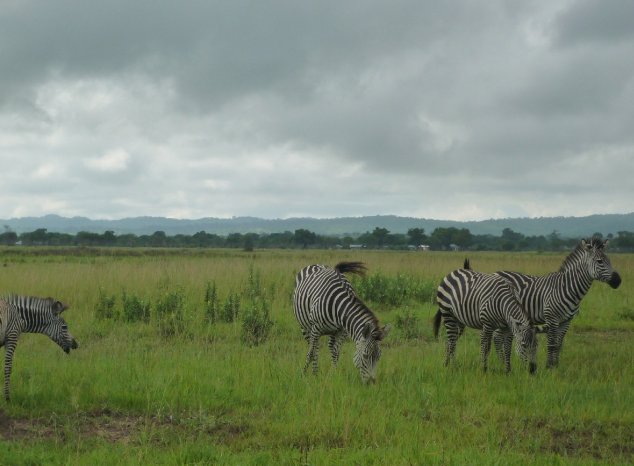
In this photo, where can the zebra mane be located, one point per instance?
(575, 256)
(357, 268)
(31, 302)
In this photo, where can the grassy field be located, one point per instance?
(136, 393)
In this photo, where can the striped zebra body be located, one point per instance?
(554, 299)
(487, 302)
(27, 314)
(326, 304)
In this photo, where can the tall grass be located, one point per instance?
(188, 389)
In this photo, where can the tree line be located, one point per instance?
(380, 238)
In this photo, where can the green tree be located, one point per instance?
(416, 236)
(304, 237)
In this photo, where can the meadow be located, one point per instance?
(165, 375)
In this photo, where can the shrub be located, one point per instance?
(134, 309)
(394, 291)
(230, 308)
(211, 303)
(407, 324)
(105, 306)
(256, 323)
(170, 312)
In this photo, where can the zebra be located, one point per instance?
(325, 303)
(29, 314)
(554, 299)
(487, 302)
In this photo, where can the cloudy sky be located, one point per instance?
(458, 110)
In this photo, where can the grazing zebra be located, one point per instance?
(486, 302)
(326, 304)
(27, 314)
(554, 299)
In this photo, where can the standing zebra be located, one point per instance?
(326, 304)
(27, 314)
(486, 302)
(554, 299)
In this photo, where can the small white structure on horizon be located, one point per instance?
(423, 247)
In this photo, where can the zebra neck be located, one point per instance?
(355, 318)
(33, 321)
(577, 281)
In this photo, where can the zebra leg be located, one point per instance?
(502, 341)
(334, 343)
(313, 350)
(485, 346)
(454, 330)
(10, 344)
(558, 341)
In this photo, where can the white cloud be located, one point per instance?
(456, 111)
(115, 160)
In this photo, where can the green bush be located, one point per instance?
(256, 322)
(211, 303)
(134, 309)
(394, 290)
(408, 325)
(169, 312)
(231, 308)
(105, 308)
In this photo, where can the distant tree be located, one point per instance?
(304, 237)
(381, 236)
(8, 238)
(624, 240)
(249, 241)
(416, 236)
(158, 239)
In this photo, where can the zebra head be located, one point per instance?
(368, 352)
(599, 266)
(57, 329)
(525, 343)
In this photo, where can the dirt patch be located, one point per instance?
(594, 439)
(115, 427)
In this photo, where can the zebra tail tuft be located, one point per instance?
(437, 320)
(357, 268)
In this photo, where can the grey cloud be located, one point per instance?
(595, 21)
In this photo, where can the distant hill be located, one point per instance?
(567, 227)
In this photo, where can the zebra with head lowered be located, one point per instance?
(554, 299)
(487, 302)
(326, 304)
(27, 314)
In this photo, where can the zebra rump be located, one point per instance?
(487, 302)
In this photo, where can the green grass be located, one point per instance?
(130, 396)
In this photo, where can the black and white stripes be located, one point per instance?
(486, 302)
(28, 314)
(554, 299)
(326, 304)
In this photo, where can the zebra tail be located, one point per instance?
(357, 268)
(437, 320)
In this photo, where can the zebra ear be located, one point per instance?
(59, 307)
(386, 331)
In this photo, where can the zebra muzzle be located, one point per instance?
(615, 280)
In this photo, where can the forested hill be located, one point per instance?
(567, 227)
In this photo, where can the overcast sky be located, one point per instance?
(458, 110)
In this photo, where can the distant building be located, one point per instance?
(423, 247)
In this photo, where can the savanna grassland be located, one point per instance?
(163, 376)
